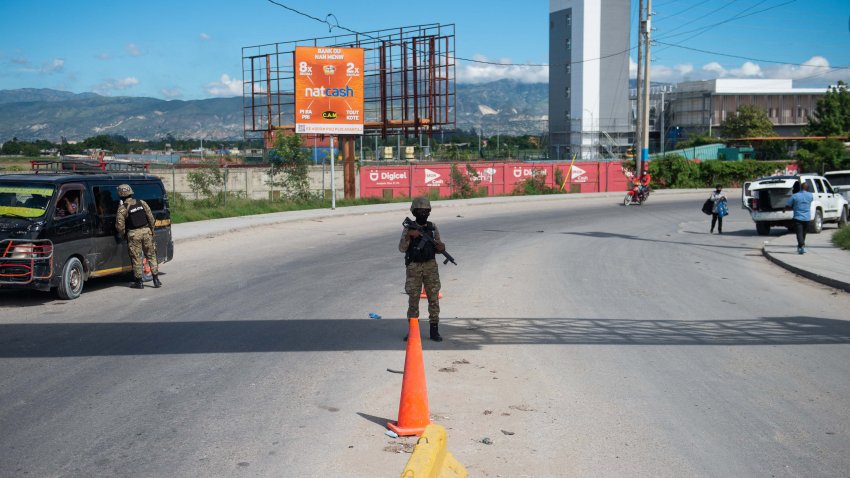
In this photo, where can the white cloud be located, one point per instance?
(171, 92)
(815, 72)
(104, 56)
(225, 86)
(133, 50)
(113, 84)
(204, 37)
(20, 61)
(55, 66)
(469, 72)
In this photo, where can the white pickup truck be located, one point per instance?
(767, 197)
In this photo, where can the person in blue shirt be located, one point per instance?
(801, 204)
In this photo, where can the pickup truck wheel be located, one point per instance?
(842, 219)
(816, 224)
(763, 228)
(71, 282)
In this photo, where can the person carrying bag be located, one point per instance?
(718, 209)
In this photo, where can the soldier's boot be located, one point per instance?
(156, 283)
(435, 334)
(137, 284)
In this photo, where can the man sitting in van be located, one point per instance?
(67, 205)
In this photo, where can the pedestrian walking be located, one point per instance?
(136, 220)
(421, 265)
(718, 210)
(801, 204)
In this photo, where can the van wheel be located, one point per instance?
(816, 224)
(71, 282)
(842, 220)
(763, 228)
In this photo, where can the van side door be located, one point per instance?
(112, 256)
(154, 195)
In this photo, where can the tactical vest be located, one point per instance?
(136, 216)
(419, 249)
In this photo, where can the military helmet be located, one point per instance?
(420, 202)
(124, 190)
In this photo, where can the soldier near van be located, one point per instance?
(136, 219)
(421, 265)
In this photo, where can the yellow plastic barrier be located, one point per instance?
(431, 457)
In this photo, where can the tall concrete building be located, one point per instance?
(589, 78)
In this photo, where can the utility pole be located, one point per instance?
(638, 97)
(646, 26)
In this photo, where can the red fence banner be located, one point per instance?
(489, 179)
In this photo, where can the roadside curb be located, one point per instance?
(821, 279)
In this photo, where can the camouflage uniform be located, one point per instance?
(139, 241)
(419, 257)
(419, 273)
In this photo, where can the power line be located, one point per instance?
(731, 19)
(336, 24)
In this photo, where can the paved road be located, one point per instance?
(611, 341)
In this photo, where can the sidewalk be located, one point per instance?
(823, 262)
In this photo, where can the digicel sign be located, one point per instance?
(328, 90)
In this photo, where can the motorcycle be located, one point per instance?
(637, 195)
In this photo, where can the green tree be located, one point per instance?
(289, 167)
(822, 156)
(12, 147)
(206, 180)
(832, 113)
(747, 122)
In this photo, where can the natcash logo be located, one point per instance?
(329, 115)
(329, 92)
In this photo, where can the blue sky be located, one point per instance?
(189, 49)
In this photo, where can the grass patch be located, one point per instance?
(186, 210)
(842, 238)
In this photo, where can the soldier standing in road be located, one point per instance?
(135, 217)
(422, 266)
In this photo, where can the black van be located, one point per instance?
(57, 229)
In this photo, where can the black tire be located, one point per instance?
(763, 228)
(842, 219)
(816, 224)
(71, 282)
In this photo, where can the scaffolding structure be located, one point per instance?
(409, 81)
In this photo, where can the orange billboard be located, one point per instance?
(328, 90)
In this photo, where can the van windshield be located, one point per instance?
(24, 200)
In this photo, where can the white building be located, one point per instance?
(589, 78)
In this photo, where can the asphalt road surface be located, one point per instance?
(583, 338)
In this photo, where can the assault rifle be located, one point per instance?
(411, 224)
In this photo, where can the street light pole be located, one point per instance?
(592, 155)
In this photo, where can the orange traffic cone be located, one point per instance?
(423, 295)
(413, 414)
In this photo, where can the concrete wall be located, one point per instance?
(252, 182)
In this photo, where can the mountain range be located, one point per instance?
(504, 107)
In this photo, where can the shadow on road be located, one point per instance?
(629, 237)
(257, 336)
